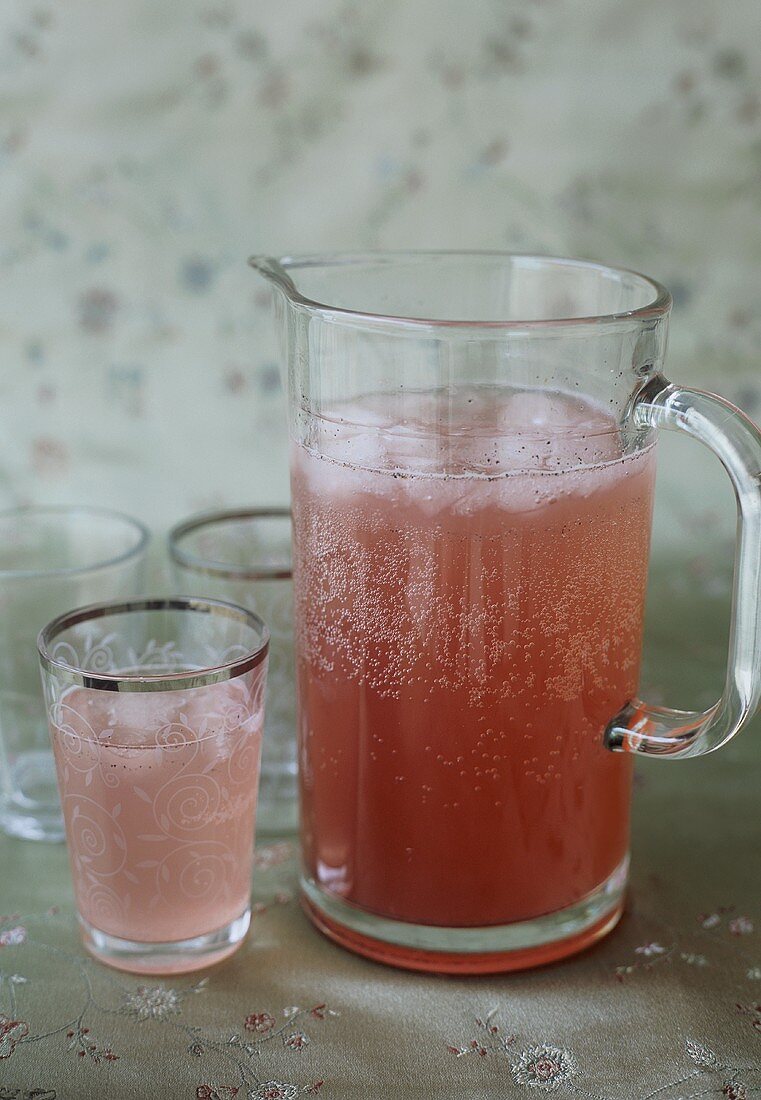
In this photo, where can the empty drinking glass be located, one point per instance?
(156, 710)
(51, 559)
(245, 556)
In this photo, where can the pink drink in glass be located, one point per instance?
(469, 617)
(159, 798)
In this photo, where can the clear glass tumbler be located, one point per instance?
(244, 555)
(156, 710)
(473, 450)
(51, 559)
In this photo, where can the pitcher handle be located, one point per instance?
(736, 441)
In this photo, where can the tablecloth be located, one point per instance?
(668, 1006)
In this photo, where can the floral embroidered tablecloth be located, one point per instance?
(668, 1007)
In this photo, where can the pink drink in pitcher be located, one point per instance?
(463, 639)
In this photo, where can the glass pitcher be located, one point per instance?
(473, 459)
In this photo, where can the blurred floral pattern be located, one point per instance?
(146, 148)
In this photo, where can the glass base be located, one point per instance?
(32, 809)
(168, 957)
(35, 826)
(489, 950)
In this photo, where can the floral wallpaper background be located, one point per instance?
(146, 149)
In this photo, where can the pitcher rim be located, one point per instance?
(276, 270)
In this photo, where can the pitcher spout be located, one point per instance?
(274, 272)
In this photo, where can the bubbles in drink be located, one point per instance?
(469, 588)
